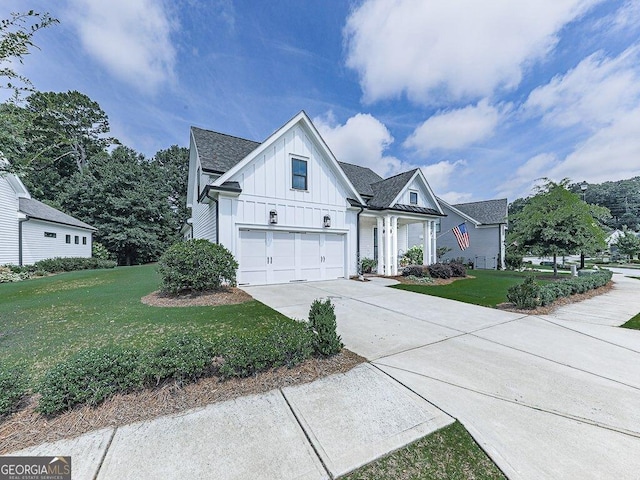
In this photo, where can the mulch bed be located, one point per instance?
(578, 297)
(227, 296)
(435, 282)
(27, 427)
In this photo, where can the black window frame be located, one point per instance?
(76, 239)
(411, 195)
(67, 239)
(84, 240)
(50, 234)
(304, 176)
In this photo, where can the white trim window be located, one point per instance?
(299, 174)
(413, 198)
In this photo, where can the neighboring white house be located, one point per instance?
(486, 222)
(32, 231)
(289, 211)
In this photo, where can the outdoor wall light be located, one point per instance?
(273, 217)
(326, 221)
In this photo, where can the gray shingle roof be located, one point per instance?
(38, 210)
(360, 177)
(486, 212)
(386, 191)
(220, 152)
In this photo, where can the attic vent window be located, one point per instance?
(413, 198)
(50, 234)
(298, 174)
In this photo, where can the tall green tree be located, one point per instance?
(125, 197)
(628, 243)
(51, 137)
(174, 165)
(16, 41)
(556, 222)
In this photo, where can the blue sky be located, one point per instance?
(486, 96)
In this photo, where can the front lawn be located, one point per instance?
(447, 454)
(634, 323)
(46, 320)
(488, 288)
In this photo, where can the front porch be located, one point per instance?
(384, 237)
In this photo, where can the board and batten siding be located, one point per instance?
(35, 246)
(424, 198)
(8, 223)
(266, 184)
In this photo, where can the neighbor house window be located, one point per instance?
(413, 198)
(67, 239)
(76, 240)
(84, 240)
(298, 174)
(438, 226)
(50, 234)
(375, 243)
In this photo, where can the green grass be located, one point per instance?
(447, 454)
(46, 320)
(634, 323)
(488, 288)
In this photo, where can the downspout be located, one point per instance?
(358, 266)
(20, 222)
(217, 216)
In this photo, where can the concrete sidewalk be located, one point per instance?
(313, 431)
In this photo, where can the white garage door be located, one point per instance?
(281, 257)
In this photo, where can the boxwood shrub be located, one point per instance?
(525, 295)
(68, 264)
(13, 386)
(196, 266)
(322, 322)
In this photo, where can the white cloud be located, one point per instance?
(362, 140)
(131, 38)
(439, 174)
(601, 96)
(593, 94)
(456, 197)
(454, 129)
(435, 51)
(522, 182)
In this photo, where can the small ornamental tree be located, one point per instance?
(628, 243)
(196, 266)
(322, 323)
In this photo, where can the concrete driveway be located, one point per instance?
(546, 397)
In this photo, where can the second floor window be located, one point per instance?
(413, 198)
(298, 174)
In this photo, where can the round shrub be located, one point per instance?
(13, 386)
(458, 269)
(415, 271)
(526, 295)
(196, 266)
(440, 270)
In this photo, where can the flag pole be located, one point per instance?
(463, 223)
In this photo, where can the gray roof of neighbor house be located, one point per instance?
(219, 152)
(485, 212)
(385, 191)
(40, 211)
(361, 177)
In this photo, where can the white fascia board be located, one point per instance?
(306, 121)
(419, 174)
(193, 169)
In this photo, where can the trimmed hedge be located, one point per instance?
(13, 386)
(196, 266)
(322, 322)
(69, 264)
(89, 377)
(531, 295)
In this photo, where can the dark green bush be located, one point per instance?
(458, 269)
(552, 291)
(196, 266)
(525, 295)
(513, 260)
(69, 264)
(88, 378)
(287, 344)
(440, 270)
(368, 265)
(322, 322)
(182, 358)
(13, 386)
(415, 271)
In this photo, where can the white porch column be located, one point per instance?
(394, 245)
(426, 243)
(387, 245)
(434, 253)
(380, 258)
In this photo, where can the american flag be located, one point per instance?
(462, 235)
